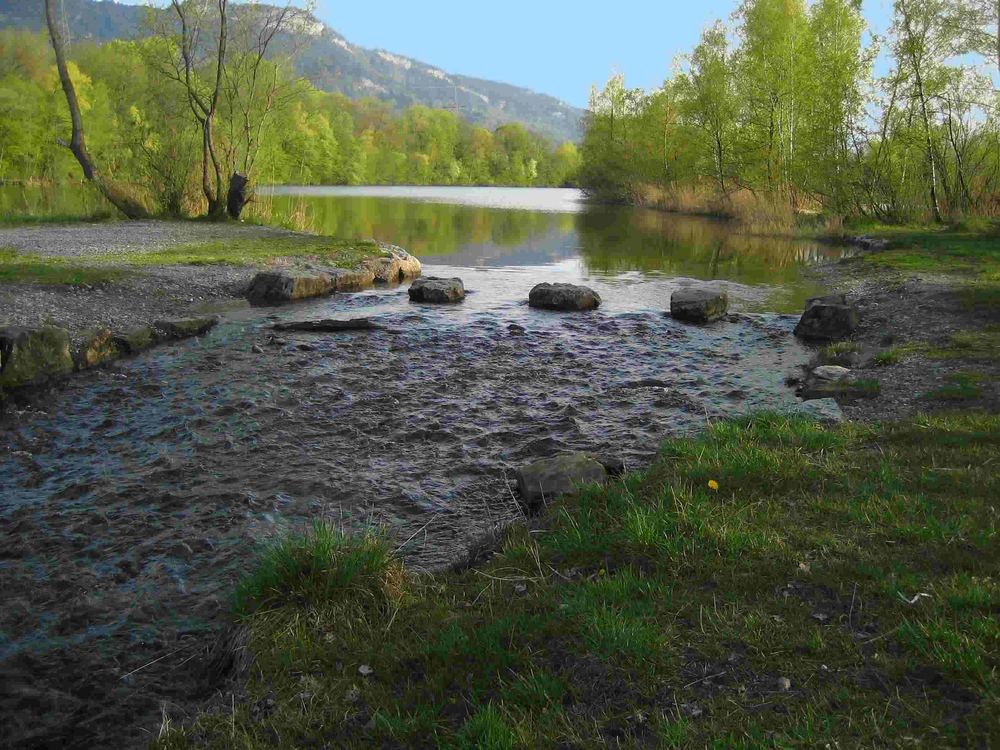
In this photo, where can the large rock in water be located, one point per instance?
(279, 287)
(435, 290)
(564, 297)
(828, 318)
(699, 304)
(30, 356)
(551, 477)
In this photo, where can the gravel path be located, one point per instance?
(129, 237)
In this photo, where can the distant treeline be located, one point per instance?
(778, 114)
(139, 128)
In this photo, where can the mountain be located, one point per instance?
(332, 63)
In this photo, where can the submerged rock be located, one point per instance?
(328, 326)
(551, 477)
(699, 304)
(438, 291)
(828, 318)
(279, 287)
(30, 356)
(563, 297)
(182, 328)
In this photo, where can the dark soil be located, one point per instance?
(897, 310)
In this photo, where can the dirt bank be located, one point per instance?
(930, 348)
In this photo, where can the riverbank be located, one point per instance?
(766, 584)
(119, 287)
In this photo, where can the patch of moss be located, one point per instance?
(32, 356)
(35, 269)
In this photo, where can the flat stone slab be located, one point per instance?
(328, 326)
(699, 304)
(564, 297)
(182, 328)
(437, 291)
(551, 477)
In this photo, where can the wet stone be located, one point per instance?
(699, 305)
(279, 287)
(29, 356)
(182, 328)
(435, 290)
(566, 297)
(549, 478)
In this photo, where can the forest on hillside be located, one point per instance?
(779, 114)
(140, 129)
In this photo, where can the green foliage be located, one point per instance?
(140, 131)
(857, 563)
(769, 121)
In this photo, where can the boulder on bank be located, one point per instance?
(829, 381)
(279, 287)
(563, 297)
(30, 356)
(551, 477)
(394, 265)
(437, 291)
(699, 304)
(100, 346)
(136, 340)
(182, 328)
(828, 318)
(351, 279)
(328, 326)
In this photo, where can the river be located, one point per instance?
(134, 496)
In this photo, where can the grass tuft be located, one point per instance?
(319, 567)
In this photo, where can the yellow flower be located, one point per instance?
(713, 485)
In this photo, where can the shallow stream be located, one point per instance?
(133, 497)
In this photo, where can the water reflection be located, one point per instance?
(609, 241)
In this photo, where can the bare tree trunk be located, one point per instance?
(78, 144)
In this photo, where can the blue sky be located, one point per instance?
(558, 47)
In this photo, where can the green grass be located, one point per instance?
(34, 269)
(970, 255)
(23, 219)
(253, 251)
(859, 563)
(248, 251)
(977, 346)
(962, 386)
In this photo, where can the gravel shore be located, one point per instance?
(125, 237)
(145, 294)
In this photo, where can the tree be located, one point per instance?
(115, 195)
(221, 61)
